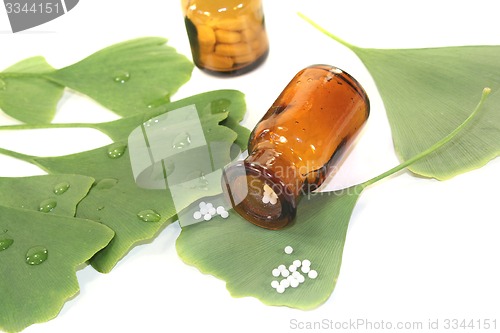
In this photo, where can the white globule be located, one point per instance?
(207, 217)
(297, 263)
(312, 274)
(305, 269)
(288, 249)
(224, 214)
(292, 268)
(306, 262)
(275, 284)
(220, 210)
(266, 199)
(197, 215)
(276, 272)
(285, 283)
(294, 283)
(285, 273)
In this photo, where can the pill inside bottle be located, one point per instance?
(227, 37)
(299, 142)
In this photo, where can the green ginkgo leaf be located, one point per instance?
(244, 255)
(130, 77)
(54, 194)
(39, 254)
(25, 95)
(230, 103)
(428, 92)
(116, 185)
(115, 200)
(37, 220)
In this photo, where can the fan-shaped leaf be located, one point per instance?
(31, 99)
(38, 256)
(130, 77)
(54, 194)
(116, 185)
(429, 92)
(244, 255)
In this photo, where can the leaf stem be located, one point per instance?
(329, 34)
(434, 147)
(23, 157)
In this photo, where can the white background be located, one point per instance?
(416, 249)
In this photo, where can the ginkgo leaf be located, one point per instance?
(228, 102)
(25, 95)
(428, 92)
(244, 255)
(39, 254)
(116, 184)
(129, 77)
(54, 194)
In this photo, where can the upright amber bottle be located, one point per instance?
(298, 142)
(226, 36)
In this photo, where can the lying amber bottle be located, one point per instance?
(226, 36)
(295, 146)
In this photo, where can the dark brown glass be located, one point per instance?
(300, 140)
(227, 37)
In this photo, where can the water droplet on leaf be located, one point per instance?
(116, 150)
(159, 102)
(5, 243)
(121, 76)
(46, 206)
(220, 105)
(106, 183)
(36, 255)
(61, 188)
(149, 216)
(181, 141)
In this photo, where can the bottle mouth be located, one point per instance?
(258, 195)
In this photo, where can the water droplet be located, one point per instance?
(5, 243)
(106, 183)
(116, 150)
(181, 141)
(3, 85)
(220, 105)
(121, 76)
(197, 180)
(61, 188)
(159, 102)
(149, 216)
(36, 255)
(46, 206)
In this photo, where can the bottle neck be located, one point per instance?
(264, 188)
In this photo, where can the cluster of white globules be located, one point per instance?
(269, 195)
(293, 275)
(207, 211)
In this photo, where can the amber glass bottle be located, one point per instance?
(226, 36)
(298, 142)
